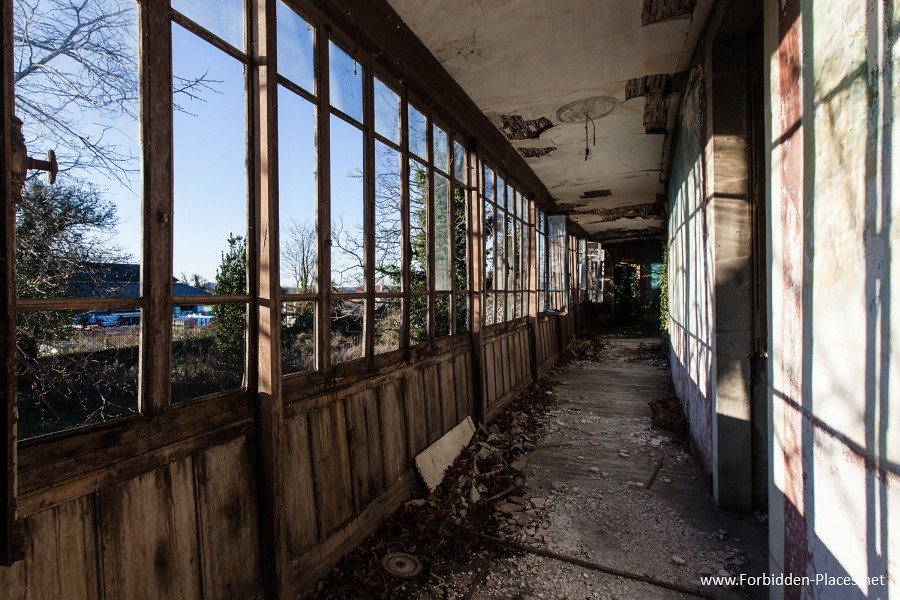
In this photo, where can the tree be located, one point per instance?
(230, 319)
(77, 83)
(63, 240)
(299, 255)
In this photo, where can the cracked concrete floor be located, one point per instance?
(592, 465)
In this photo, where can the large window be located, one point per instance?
(558, 257)
(131, 301)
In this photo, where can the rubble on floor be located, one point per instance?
(561, 473)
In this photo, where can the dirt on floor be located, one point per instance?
(577, 474)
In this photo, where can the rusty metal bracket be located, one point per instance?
(50, 165)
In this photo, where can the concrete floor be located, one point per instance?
(592, 466)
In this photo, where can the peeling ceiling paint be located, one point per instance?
(532, 66)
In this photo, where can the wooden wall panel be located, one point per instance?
(415, 413)
(490, 380)
(395, 452)
(61, 558)
(448, 394)
(433, 412)
(299, 487)
(461, 386)
(364, 435)
(331, 466)
(149, 535)
(225, 479)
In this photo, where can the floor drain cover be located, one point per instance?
(401, 564)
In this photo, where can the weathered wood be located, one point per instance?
(149, 535)
(434, 417)
(158, 207)
(395, 454)
(60, 559)
(323, 206)
(300, 504)
(228, 520)
(415, 412)
(490, 379)
(331, 464)
(108, 453)
(11, 544)
(265, 371)
(461, 387)
(448, 395)
(313, 565)
(364, 437)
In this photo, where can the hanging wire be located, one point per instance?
(587, 147)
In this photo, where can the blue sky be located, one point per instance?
(210, 140)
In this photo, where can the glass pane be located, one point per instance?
(441, 315)
(345, 82)
(387, 112)
(500, 245)
(347, 318)
(225, 18)
(297, 193)
(461, 231)
(500, 301)
(489, 308)
(81, 236)
(347, 244)
(488, 246)
(298, 337)
(418, 226)
(388, 321)
(462, 313)
(441, 149)
(518, 307)
(210, 144)
(488, 183)
(208, 349)
(388, 220)
(501, 198)
(75, 368)
(418, 133)
(459, 162)
(418, 320)
(441, 233)
(511, 252)
(296, 48)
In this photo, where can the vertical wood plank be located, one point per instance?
(490, 379)
(448, 395)
(364, 436)
(415, 413)
(264, 254)
(331, 460)
(228, 520)
(12, 544)
(299, 488)
(471, 383)
(395, 454)
(149, 535)
(60, 556)
(156, 276)
(461, 387)
(433, 414)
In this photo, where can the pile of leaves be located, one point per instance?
(440, 528)
(667, 413)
